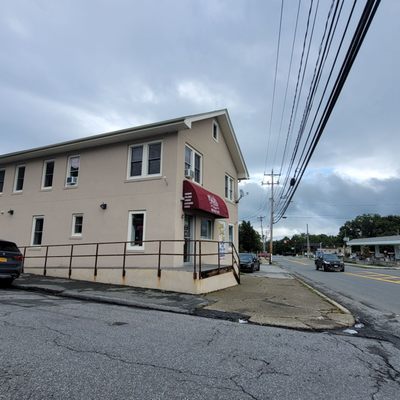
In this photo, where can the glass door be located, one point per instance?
(188, 235)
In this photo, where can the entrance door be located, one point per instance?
(188, 235)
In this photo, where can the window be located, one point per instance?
(136, 230)
(206, 229)
(19, 178)
(73, 170)
(48, 171)
(230, 233)
(77, 225)
(229, 192)
(193, 164)
(2, 175)
(37, 230)
(215, 131)
(144, 160)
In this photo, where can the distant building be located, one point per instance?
(168, 181)
(377, 243)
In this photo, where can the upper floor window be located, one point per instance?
(77, 225)
(73, 170)
(37, 230)
(215, 131)
(48, 171)
(2, 175)
(229, 187)
(193, 164)
(19, 178)
(144, 160)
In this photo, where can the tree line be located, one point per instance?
(362, 226)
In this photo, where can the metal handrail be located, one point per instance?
(197, 255)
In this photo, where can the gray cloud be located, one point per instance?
(71, 69)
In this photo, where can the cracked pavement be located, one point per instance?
(57, 348)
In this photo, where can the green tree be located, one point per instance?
(370, 225)
(249, 238)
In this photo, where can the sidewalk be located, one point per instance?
(269, 297)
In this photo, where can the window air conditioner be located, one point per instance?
(72, 180)
(189, 173)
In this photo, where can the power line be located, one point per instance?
(274, 87)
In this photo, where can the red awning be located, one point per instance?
(195, 197)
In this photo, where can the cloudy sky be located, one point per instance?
(73, 68)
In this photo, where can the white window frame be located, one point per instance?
(35, 218)
(231, 233)
(44, 174)
(210, 234)
(69, 185)
(129, 246)
(215, 128)
(145, 160)
(229, 187)
(192, 163)
(17, 168)
(4, 180)
(73, 229)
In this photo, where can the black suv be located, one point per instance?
(329, 262)
(11, 261)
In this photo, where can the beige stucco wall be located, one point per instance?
(103, 179)
(217, 162)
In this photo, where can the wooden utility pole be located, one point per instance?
(271, 224)
(262, 232)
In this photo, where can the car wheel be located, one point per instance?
(325, 269)
(316, 267)
(6, 282)
(342, 269)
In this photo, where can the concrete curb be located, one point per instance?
(344, 310)
(103, 299)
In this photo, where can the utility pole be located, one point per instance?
(308, 244)
(262, 232)
(271, 225)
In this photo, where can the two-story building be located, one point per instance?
(158, 197)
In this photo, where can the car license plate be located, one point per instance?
(2, 259)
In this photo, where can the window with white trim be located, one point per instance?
(193, 164)
(231, 231)
(48, 171)
(73, 170)
(215, 131)
(19, 178)
(37, 230)
(77, 225)
(144, 160)
(136, 230)
(206, 229)
(2, 176)
(229, 187)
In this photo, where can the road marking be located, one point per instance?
(298, 262)
(376, 276)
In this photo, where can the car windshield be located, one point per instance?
(8, 246)
(331, 257)
(245, 257)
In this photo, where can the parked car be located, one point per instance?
(11, 261)
(249, 262)
(329, 262)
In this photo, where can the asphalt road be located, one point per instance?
(57, 348)
(371, 294)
